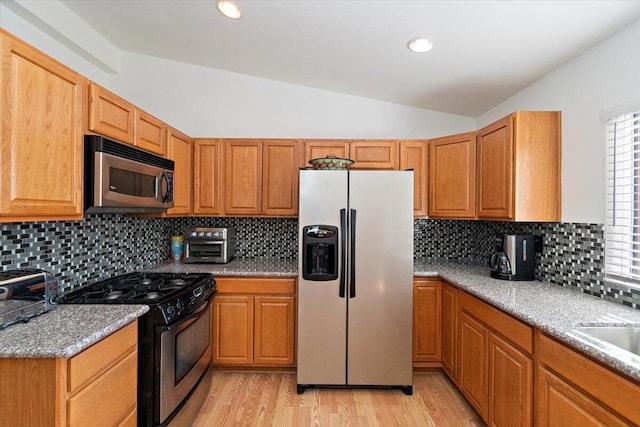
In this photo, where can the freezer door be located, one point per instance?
(322, 313)
(380, 313)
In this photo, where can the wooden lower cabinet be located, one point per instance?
(474, 376)
(96, 387)
(450, 330)
(254, 322)
(427, 330)
(510, 384)
(495, 366)
(573, 390)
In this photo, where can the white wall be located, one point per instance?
(603, 77)
(40, 36)
(212, 103)
(205, 102)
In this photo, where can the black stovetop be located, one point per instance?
(172, 294)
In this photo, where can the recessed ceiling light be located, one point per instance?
(229, 9)
(420, 45)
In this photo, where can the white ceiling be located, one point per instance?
(485, 51)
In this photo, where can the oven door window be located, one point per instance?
(190, 345)
(206, 250)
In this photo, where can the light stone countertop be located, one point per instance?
(268, 267)
(553, 309)
(66, 330)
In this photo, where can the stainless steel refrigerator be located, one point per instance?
(355, 282)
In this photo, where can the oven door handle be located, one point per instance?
(196, 314)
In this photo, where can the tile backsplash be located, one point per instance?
(106, 244)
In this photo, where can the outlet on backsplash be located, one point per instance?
(538, 244)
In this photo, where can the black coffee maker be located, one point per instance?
(515, 260)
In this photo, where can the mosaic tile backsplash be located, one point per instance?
(106, 244)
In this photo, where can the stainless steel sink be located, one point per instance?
(625, 337)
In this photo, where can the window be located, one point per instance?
(622, 226)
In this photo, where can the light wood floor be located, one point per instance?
(270, 399)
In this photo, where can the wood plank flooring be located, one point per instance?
(270, 399)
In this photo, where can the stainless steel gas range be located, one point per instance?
(174, 339)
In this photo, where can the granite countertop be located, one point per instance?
(268, 267)
(66, 330)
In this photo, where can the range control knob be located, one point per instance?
(171, 310)
(179, 305)
(209, 234)
(201, 234)
(194, 233)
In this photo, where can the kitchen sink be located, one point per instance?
(624, 337)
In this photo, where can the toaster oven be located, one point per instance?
(26, 293)
(212, 245)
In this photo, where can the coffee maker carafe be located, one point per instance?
(516, 260)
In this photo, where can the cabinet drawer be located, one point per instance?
(109, 399)
(247, 285)
(93, 361)
(620, 394)
(513, 330)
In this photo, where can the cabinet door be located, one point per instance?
(413, 155)
(319, 149)
(495, 170)
(41, 149)
(510, 385)
(274, 338)
(110, 115)
(452, 176)
(207, 177)
(233, 330)
(179, 149)
(151, 133)
(560, 404)
(280, 165)
(243, 176)
(372, 154)
(449, 330)
(427, 331)
(473, 379)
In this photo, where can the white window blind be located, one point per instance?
(622, 227)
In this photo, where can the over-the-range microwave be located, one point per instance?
(122, 178)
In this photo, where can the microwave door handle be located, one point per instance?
(164, 178)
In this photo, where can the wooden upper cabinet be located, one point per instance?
(150, 133)
(495, 170)
(317, 149)
(41, 149)
(413, 155)
(243, 176)
(519, 161)
(374, 154)
(111, 115)
(180, 150)
(280, 165)
(207, 177)
(452, 176)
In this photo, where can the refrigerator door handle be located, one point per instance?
(352, 249)
(343, 249)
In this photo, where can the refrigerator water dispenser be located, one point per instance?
(320, 252)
